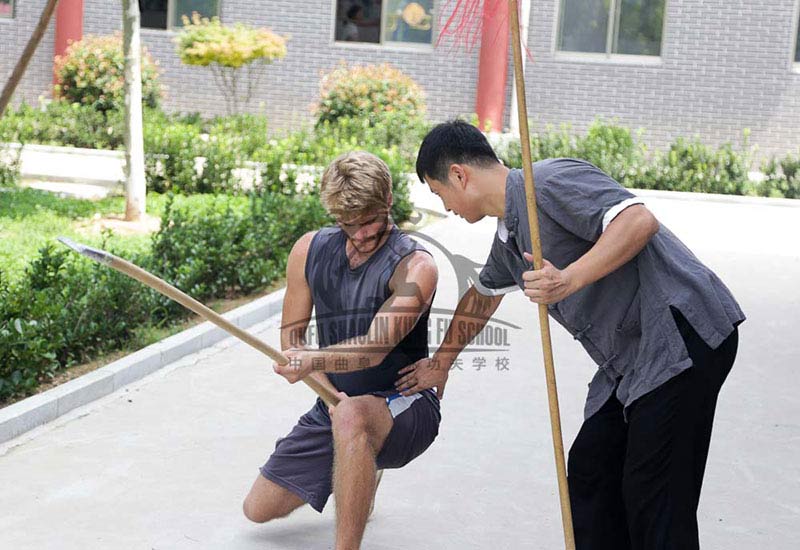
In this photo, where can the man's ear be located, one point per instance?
(458, 175)
(391, 201)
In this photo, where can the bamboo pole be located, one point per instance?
(544, 321)
(136, 272)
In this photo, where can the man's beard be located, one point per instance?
(369, 245)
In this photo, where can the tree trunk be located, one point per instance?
(27, 54)
(135, 185)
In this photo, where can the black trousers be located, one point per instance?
(636, 485)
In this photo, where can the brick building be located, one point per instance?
(673, 67)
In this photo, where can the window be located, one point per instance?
(797, 44)
(164, 14)
(384, 21)
(6, 9)
(631, 27)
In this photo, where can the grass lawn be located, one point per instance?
(30, 218)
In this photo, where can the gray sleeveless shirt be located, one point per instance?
(346, 301)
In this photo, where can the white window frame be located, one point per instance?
(384, 45)
(13, 14)
(607, 56)
(171, 17)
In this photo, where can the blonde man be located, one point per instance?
(371, 286)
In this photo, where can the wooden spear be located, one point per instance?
(544, 321)
(136, 272)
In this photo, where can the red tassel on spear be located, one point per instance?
(464, 24)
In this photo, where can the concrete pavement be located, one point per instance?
(166, 462)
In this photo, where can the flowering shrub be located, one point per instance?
(226, 50)
(368, 92)
(204, 41)
(92, 72)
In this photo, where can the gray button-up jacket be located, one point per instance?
(623, 320)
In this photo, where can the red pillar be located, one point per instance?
(493, 65)
(69, 24)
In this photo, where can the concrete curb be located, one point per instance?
(57, 163)
(39, 409)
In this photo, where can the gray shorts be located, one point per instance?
(303, 460)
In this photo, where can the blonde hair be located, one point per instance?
(355, 184)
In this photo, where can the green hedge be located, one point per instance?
(284, 162)
(782, 177)
(63, 312)
(232, 245)
(67, 309)
(186, 154)
(688, 165)
(62, 123)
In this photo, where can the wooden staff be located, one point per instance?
(136, 272)
(544, 321)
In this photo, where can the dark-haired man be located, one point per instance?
(660, 325)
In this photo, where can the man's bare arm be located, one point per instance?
(298, 304)
(472, 313)
(413, 285)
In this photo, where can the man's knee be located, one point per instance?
(260, 512)
(350, 420)
(267, 501)
(362, 420)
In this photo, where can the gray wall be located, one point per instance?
(14, 35)
(725, 66)
(291, 86)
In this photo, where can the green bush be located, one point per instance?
(368, 93)
(67, 309)
(782, 177)
(281, 159)
(221, 157)
(219, 246)
(170, 149)
(391, 130)
(550, 143)
(62, 123)
(693, 166)
(92, 72)
(9, 167)
(246, 132)
(612, 149)
(179, 158)
(688, 165)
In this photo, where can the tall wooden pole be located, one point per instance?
(544, 321)
(27, 55)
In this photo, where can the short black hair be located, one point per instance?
(454, 141)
